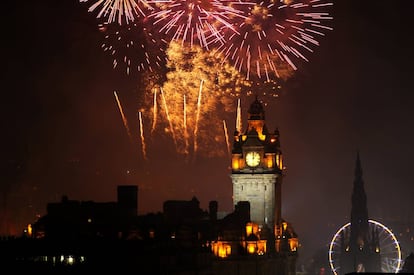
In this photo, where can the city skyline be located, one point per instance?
(63, 123)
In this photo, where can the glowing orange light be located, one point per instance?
(249, 229)
(293, 244)
(261, 247)
(284, 224)
(251, 247)
(29, 230)
(280, 162)
(236, 163)
(197, 87)
(269, 161)
(221, 249)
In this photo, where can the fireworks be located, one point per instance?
(121, 11)
(266, 40)
(167, 115)
(132, 48)
(193, 57)
(121, 111)
(198, 22)
(194, 99)
(226, 136)
(141, 132)
(275, 36)
(154, 112)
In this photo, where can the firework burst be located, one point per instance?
(120, 11)
(275, 36)
(196, 22)
(133, 47)
(192, 100)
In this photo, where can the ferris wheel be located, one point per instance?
(389, 248)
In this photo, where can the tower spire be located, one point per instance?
(359, 211)
(361, 248)
(358, 169)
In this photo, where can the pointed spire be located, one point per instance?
(358, 168)
(256, 111)
(359, 210)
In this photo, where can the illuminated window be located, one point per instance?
(293, 244)
(235, 163)
(269, 161)
(280, 162)
(261, 247)
(221, 249)
(249, 229)
(251, 247)
(29, 230)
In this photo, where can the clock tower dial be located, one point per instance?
(253, 159)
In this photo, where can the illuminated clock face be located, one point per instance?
(253, 159)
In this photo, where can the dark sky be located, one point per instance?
(62, 126)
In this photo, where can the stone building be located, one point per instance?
(255, 239)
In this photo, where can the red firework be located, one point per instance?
(121, 11)
(274, 36)
(200, 22)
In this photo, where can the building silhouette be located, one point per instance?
(408, 266)
(87, 236)
(361, 249)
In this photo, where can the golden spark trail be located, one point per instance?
(123, 116)
(187, 145)
(168, 117)
(226, 136)
(154, 122)
(197, 116)
(198, 91)
(239, 126)
(185, 113)
(141, 131)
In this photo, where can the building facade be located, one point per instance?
(263, 243)
(257, 169)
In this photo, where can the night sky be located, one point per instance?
(63, 134)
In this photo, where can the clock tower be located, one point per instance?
(257, 169)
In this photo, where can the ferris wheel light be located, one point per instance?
(395, 261)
